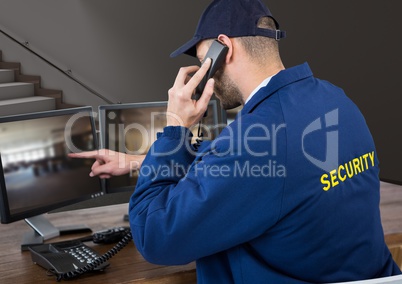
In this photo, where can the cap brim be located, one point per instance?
(187, 48)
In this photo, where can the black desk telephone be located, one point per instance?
(70, 259)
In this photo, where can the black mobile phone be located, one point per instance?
(217, 52)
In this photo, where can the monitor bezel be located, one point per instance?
(6, 216)
(102, 109)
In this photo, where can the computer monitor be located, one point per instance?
(36, 174)
(132, 127)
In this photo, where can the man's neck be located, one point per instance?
(252, 79)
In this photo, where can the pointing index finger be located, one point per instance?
(88, 154)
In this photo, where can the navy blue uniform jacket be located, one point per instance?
(288, 193)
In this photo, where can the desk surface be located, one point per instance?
(128, 266)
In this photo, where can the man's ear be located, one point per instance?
(228, 42)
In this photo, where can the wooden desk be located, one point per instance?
(391, 218)
(128, 266)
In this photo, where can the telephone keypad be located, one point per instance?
(82, 254)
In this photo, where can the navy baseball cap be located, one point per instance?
(234, 18)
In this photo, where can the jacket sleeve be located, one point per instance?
(186, 207)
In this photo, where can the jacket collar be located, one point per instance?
(280, 80)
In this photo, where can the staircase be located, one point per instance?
(23, 93)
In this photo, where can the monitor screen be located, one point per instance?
(132, 127)
(37, 175)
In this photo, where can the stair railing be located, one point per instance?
(67, 73)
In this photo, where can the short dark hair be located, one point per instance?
(261, 47)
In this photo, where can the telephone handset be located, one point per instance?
(217, 52)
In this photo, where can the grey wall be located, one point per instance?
(121, 49)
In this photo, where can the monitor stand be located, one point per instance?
(44, 230)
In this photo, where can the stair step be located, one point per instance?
(6, 76)
(28, 79)
(16, 87)
(16, 90)
(10, 65)
(26, 105)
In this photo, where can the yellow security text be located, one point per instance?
(347, 170)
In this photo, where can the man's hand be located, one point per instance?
(182, 110)
(110, 163)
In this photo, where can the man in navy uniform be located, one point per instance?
(288, 193)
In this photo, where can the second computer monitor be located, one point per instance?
(131, 128)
